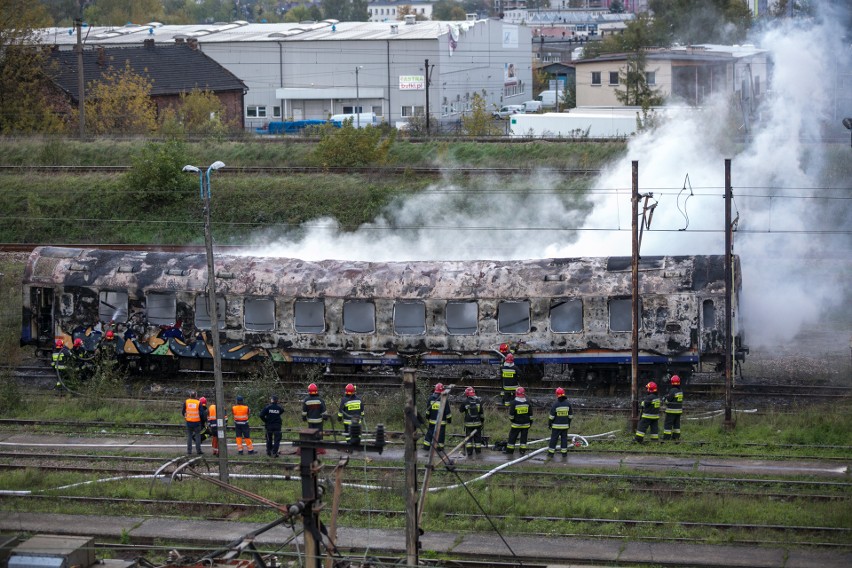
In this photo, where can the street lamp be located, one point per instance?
(212, 308)
(357, 98)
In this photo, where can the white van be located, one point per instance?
(548, 98)
(508, 110)
(532, 106)
(359, 120)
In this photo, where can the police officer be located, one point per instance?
(650, 417)
(313, 408)
(241, 415)
(193, 414)
(351, 409)
(559, 421)
(271, 416)
(508, 379)
(674, 410)
(474, 421)
(520, 418)
(433, 409)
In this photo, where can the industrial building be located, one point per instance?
(314, 70)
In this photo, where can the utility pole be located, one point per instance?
(729, 282)
(634, 264)
(412, 528)
(428, 80)
(81, 83)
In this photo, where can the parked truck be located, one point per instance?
(578, 123)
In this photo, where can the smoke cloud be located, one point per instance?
(792, 269)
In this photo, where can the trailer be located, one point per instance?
(577, 123)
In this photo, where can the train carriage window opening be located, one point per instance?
(566, 316)
(202, 312)
(621, 314)
(409, 318)
(309, 316)
(462, 318)
(708, 315)
(359, 316)
(513, 317)
(161, 308)
(112, 306)
(259, 314)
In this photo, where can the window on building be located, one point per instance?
(409, 318)
(161, 308)
(566, 316)
(254, 111)
(377, 110)
(462, 318)
(309, 316)
(276, 112)
(202, 312)
(412, 111)
(613, 77)
(359, 316)
(651, 77)
(352, 109)
(513, 317)
(596, 77)
(259, 314)
(112, 306)
(621, 314)
(708, 315)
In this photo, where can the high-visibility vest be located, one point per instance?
(241, 413)
(211, 414)
(193, 412)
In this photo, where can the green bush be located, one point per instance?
(157, 171)
(349, 146)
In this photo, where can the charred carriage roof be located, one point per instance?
(270, 276)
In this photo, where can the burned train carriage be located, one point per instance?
(572, 315)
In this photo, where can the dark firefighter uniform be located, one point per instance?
(520, 418)
(559, 421)
(509, 381)
(674, 410)
(271, 416)
(650, 417)
(351, 409)
(433, 406)
(313, 410)
(474, 420)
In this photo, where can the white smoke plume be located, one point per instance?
(772, 175)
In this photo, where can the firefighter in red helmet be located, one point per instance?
(520, 418)
(559, 421)
(351, 409)
(437, 415)
(508, 379)
(674, 410)
(474, 421)
(313, 408)
(650, 417)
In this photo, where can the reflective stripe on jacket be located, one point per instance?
(240, 413)
(651, 407)
(674, 401)
(192, 410)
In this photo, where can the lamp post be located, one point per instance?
(212, 308)
(357, 98)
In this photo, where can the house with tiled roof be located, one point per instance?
(173, 70)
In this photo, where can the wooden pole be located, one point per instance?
(412, 526)
(634, 354)
(729, 272)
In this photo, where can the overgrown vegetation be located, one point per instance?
(351, 146)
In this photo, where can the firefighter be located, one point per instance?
(674, 410)
(559, 421)
(313, 408)
(474, 421)
(520, 417)
(241, 414)
(433, 409)
(213, 427)
(351, 409)
(508, 379)
(650, 417)
(271, 416)
(59, 360)
(194, 417)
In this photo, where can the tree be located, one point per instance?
(616, 7)
(24, 81)
(120, 103)
(120, 12)
(198, 114)
(407, 10)
(350, 146)
(711, 21)
(479, 122)
(336, 9)
(447, 11)
(637, 92)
